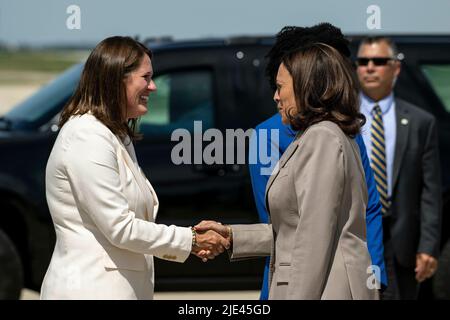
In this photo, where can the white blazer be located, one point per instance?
(103, 209)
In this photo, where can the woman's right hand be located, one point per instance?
(206, 225)
(209, 244)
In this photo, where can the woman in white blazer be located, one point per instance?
(102, 205)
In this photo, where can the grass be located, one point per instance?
(23, 67)
(41, 60)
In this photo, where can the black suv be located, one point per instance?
(220, 82)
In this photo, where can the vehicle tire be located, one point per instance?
(441, 281)
(11, 271)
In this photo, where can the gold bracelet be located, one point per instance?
(194, 237)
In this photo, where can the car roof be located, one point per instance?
(408, 39)
(167, 43)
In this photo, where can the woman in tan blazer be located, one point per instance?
(317, 194)
(102, 205)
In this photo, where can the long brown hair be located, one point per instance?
(325, 88)
(101, 89)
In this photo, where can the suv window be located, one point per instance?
(45, 103)
(180, 99)
(438, 76)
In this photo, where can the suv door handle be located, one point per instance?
(212, 169)
(217, 169)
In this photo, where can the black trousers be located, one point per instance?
(402, 283)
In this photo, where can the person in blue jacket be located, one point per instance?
(291, 38)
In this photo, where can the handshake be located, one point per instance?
(211, 239)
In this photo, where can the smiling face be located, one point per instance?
(284, 95)
(139, 84)
(377, 82)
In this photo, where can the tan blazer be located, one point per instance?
(317, 200)
(103, 209)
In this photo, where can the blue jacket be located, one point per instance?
(259, 182)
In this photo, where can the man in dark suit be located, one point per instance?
(401, 142)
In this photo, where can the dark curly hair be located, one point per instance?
(291, 38)
(325, 88)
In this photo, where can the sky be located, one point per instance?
(54, 22)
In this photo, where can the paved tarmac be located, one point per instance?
(185, 295)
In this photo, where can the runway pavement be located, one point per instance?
(186, 295)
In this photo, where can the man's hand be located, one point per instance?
(426, 266)
(209, 244)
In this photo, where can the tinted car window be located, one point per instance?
(439, 78)
(45, 103)
(180, 99)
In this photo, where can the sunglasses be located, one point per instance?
(381, 61)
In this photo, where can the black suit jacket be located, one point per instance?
(416, 193)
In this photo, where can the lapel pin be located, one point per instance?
(404, 121)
